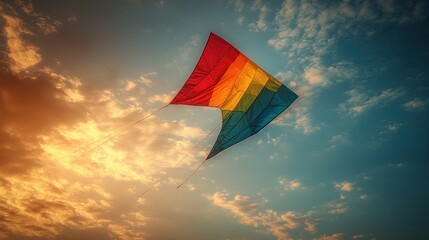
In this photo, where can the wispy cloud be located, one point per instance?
(272, 140)
(146, 78)
(261, 24)
(193, 41)
(304, 122)
(338, 140)
(289, 185)
(416, 104)
(162, 98)
(311, 225)
(360, 102)
(306, 31)
(183, 54)
(249, 213)
(299, 118)
(45, 203)
(22, 23)
(344, 186)
(305, 25)
(393, 126)
(45, 24)
(385, 134)
(21, 53)
(363, 197)
(335, 236)
(314, 76)
(337, 208)
(396, 165)
(239, 7)
(47, 116)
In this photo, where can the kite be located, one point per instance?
(225, 78)
(248, 97)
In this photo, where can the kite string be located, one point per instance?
(192, 174)
(115, 133)
(183, 158)
(197, 145)
(110, 133)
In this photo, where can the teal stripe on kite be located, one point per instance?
(240, 125)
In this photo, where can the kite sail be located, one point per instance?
(249, 97)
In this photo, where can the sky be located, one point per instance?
(348, 159)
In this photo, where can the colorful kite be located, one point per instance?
(249, 97)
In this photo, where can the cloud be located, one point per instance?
(393, 126)
(22, 54)
(337, 208)
(338, 140)
(162, 98)
(311, 224)
(298, 117)
(26, 7)
(304, 123)
(385, 133)
(44, 23)
(320, 76)
(364, 197)
(249, 213)
(261, 24)
(45, 117)
(307, 31)
(144, 78)
(314, 26)
(396, 165)
(183, 54)
(21, 24)
(335, 236)
(48, 205)
(289, 185)
(360, 102)
(240, 19)
(240, 206)
(307, 85)
(273, 140)
(416, 104)
(27, 106)
(48, 26)
(344, 186)
(130, 85)
(189, 46)
(314, 76)
(239, 7)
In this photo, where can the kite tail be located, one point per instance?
(183, 158)
(116, 132)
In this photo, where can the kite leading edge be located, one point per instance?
(248, 97)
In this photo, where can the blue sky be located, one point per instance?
(346, 161)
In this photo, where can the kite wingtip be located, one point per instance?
(213, 34)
